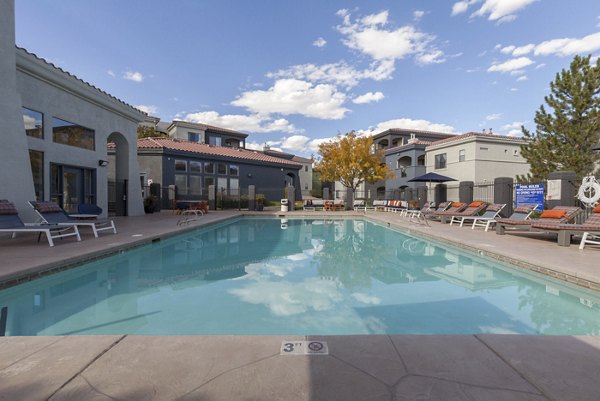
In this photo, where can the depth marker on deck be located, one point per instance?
(294, 347)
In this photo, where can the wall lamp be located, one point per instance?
(103, 163)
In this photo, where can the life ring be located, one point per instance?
(589, 185)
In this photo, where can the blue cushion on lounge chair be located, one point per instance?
(88, 208)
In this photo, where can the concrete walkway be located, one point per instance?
(475, 367)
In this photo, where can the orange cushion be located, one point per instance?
(597, 209)
(475, 204)
(456, 204)
(554, 214)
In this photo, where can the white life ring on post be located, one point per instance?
(589, 186)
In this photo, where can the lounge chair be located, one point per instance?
(589, 238)
(566, 231)
(488, 218)
(359, 204)
(491, 212)
(380, 205)
(10, 222)
(440, 208)
(455, 208)
(427, 207)
(397, 206)
(557, 215)
(51, 213)
(472, 210)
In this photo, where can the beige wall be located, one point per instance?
(485, 160)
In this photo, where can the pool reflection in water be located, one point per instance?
(265, 276)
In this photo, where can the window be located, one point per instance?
(421, 160)
(209, 167)
(234, 170)
(37, 169)
(193, 137)
(214, 140)
(221, 168)
(234, 186)
(180, 165)
(461, 155)
(208, 181)
(403, 171)
(222, 184)
(440, 161)
(515, 152)
(195, 183)
(195, 167)
(181, 184)
(72, 134)
(34, 123)
(482, 148)
(305, 167)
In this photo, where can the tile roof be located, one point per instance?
(204, 149)
(478, 135)
(27, 52)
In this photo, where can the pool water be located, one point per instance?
(313, 276)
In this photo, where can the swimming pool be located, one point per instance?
(313, 276)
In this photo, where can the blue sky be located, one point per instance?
(293, 74)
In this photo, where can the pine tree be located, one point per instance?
(565, 136)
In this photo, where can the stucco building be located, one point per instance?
(55, 128)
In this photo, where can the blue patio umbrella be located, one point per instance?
(432, 177)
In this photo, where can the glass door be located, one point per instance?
(72, 188)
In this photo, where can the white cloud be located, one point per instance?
(366, 298)
(418, 15)
(460, 7)
(495, 116)
(368, 98)
(569, 46)
(30, 122)
(149, 109)
(111, 73)
(340, 73)
(320, 42)
(293, 96)
(514, 128)
(514, 89)
(287, 299)
(511, 65)
(133, 76)
(542, 65)
(295, 142)
(522, 78)
(508, 49)
(369, 36)
(501, 10)
(560, 47)
(523, 50)
(408, 123)
(248, 123)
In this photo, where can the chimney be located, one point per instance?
(266, 147)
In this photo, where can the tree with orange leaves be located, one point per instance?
(351, 160)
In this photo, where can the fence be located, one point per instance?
(167, 197)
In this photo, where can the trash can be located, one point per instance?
(284, 205)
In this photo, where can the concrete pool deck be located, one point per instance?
(470, 367)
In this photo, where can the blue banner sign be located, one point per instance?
(530, 194)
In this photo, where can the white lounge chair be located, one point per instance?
(51, 213)
(10, 222)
